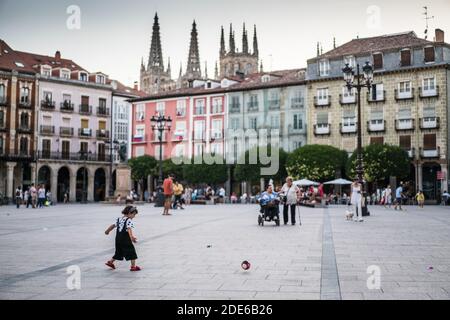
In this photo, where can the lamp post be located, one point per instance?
(363, 80)
(113, 145)
(160, 124)
(84, 155)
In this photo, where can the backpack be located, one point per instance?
(18, 193)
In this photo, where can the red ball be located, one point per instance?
(245, 265)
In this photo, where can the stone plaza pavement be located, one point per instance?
(196, 254)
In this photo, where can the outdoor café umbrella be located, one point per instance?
(305, 182)
(339, 182)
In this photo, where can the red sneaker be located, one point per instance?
(135, 268)
(110, 264)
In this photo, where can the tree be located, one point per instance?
(316, 162)
(246, 171)
(173, 166)
(197, 171)
(141, 168)
(381, 161)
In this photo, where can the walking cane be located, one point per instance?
(299, 218)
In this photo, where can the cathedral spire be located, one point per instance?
(181, 70)
(169, 71)
(255, 43)
(142, 64)
(232, 46)
(261, 69)
(193, 66)
(216, 73)
(244, 40)
(222, 43)
(155, 59)
(206, 70)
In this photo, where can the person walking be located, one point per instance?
(19, 196)
(398, 197)
(26, 198)
(188, 195)
(356, 200)
(33, 193)
(388, 196)
(124, 239)
(177, 191)
(420, 199)
(168, 192)
(289, 196)
(41, 196)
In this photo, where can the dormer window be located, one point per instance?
(64, 74)
(350, 60)
(324, 67)
(46, 71)
(83, 76)
(377, 61)
(19, 64)
(265, 78)
(101, 79)
(429, 54)
(405, 57)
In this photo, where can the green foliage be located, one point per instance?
(174, 166)
(316, 162)
(143, 166)
(381, 161)
(197, 171)
(252, 171)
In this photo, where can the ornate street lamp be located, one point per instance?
(362, 81)
(160, 124)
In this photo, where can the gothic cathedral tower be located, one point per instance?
(233, 61)
(154, 78)
(193, 70)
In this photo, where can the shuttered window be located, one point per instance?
(405, 57)
(405, 142)
(429, 112)
(429, 141)
(84, 123)
(404, 114)
(322, 118)
(102, 125)
(376, 140)
(429, 54)
(378, 61)
(85, 100)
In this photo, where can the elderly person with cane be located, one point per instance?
(289, 195)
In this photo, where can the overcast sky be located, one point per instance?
(115, 34)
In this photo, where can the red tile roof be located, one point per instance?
(122, 89)
(374, 44)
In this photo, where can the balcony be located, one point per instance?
(102, 112)
(252, 106)
(347, 99)
(322, 129)
(235, 108)
(181, 112)
(66, 106)
(24, 129)
(85, 132)
(3, 102)
(74, 156)
(428, 93)
(179, 135)
(47, 130)
(404, 124)
(199, 111)
(296, 131)
(429, 123)
(65, 131)
(378, 98)
(139, 138)
(274, 104)
(216, 135)
(25, 104)
(198, 136)
(16, 156)
(375, 126)
(85, 109)
(348, 128)
(430, 153)
(156, 136)
(406, 95)
(297, 103)
(48, 105)
(102, 134)
(322, 101)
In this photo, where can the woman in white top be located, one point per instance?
(388, 196)
(356, 199)
(289, 194)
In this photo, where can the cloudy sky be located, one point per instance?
(115, 34)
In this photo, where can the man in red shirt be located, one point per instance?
(168, 192)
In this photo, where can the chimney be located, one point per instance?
(57, 56)
(439, 36)
(135, 87)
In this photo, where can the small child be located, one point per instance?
(420, 198)
(124, 238)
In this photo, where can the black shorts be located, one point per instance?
(124, 249)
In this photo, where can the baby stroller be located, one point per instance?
(269, 212)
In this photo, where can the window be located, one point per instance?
(217, 105)
(179, 150)
(348, 96)
(429, 84)
(350, 60)
(64, 74)
(83, 76)
(404, 89)
(2, 119)
(102, 103)
(322, 118)
(25, 95)
(181, 108)
(216, 129)
(429, 112)
(405, 57)
(101, 151)
(429, 54)
(265, 78)
(160, 108)
(349, 118)
(199, 106)
(429, 141)
(275, 122)
(140, 112)
(198, 150)
(376, 140)
(85, 100)
(377, 92)
(47, 96)
(2, 143)
(46, 71)
(404, 113)
(83, 147)
(84, 124)
(324, 68)
(234, 123)
(216, 148)
(376, 116)
(405, 142)
(46, 147)
(199, 128)
(102, 125)
(140, 131)
(140, 151)
(67, 99)
(298, 122)
(23, 146)
(2, 93)
(377, 61)
(65, 149)
(235, 103)
(101, 79)
(253, 123)
(24, 117)
(322, 96)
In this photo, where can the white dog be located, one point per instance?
(348, 215)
